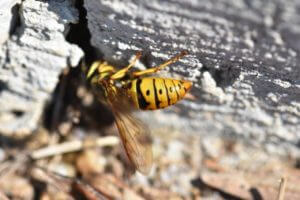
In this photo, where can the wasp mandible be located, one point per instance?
(124, 89)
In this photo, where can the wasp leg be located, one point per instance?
(121, 73)
(161, 66)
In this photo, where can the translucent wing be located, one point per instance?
(133, 133)
(136, 140)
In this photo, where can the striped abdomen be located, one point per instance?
(152, 93)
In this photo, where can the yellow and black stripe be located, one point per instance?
(153, 93)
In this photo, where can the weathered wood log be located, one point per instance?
(244, 62)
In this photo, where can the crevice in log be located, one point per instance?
(3, 86)
(18, 113)
(79, 34)
(15, 21)
(65, 95)
(225, 75)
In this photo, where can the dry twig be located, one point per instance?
(282, 187)
(73, 146)
(61, 183)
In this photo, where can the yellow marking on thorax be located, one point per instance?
(133, 93)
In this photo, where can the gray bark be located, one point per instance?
(31, 60)
(244, 62)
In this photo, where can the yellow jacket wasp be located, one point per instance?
(124, 89)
